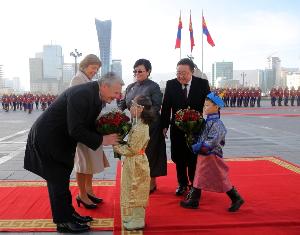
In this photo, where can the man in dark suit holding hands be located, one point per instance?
(182, 92)
(52, 141)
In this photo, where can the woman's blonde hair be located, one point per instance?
(89, 60)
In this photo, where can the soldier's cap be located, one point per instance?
(215, 99)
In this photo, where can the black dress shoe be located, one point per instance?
(180, 190)
(81, 219)
(95, 199)
(72, 227)
(87, 206)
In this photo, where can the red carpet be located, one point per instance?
(25, 206)
(270, 187)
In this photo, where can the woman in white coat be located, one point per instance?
(87, 161)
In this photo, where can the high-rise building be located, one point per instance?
(36, 69)
(52, 62)
(36, 73)
(1, 76)
(213, 75)
(16, 84)
(275, 65)
(222, 74)
(68, 72)
(224, 70)
(46, 70)
(104, 39)
(116, 67)
(293, 80)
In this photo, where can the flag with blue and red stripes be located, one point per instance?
(206, 32)
(178, 39)
(191, 33)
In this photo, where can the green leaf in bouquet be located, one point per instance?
(191, 125)
(104, 129)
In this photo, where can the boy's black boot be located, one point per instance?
(237, 200)
(192, 199)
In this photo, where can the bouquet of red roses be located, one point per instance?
(190, 122)
(112, 122)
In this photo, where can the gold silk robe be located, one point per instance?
(135, 179)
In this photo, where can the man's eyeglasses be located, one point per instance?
(138, 71)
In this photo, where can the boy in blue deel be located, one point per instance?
(211, 171)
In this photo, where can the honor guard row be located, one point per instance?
(285, 95)
(26, 102)
(239, 97)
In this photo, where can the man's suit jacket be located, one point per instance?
(173, 101)
(52, 140)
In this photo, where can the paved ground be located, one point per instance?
(265, 131)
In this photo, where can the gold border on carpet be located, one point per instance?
(273, 159)
(18, 183)
(48, 224)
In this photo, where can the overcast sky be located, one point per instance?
(245, 32)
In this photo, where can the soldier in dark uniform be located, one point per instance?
(252, 97)
(286, 95)
(29, 102)
(298, 96)
(273, 94)
(37, 101)
(234, 95)
(6, 103)
(258, 96)
(280, 96)
(293, 95)
(44, 102)
(226, 97)
(246, 97)
(14, 101)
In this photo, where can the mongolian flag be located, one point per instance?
(178, 39)
(191, 33)
(206, 32)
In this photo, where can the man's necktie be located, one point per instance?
(185, 91)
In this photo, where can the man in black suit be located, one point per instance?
(52, 141)
(182, 92)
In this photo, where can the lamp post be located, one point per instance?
(75, 54)
(243, 75)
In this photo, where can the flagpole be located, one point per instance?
(180, 42)
(202, 43)
(190, 38)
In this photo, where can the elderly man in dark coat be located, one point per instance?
(182, 92)
(52, 140)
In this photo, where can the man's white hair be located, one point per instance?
(110, 78)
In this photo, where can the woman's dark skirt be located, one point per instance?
(156, 150)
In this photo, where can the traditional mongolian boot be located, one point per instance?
(138, 219)
(192, 199)
(237, 200)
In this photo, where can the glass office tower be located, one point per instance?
(104, 39)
